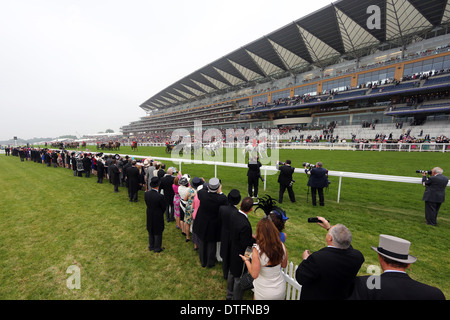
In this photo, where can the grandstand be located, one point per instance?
(329, 69)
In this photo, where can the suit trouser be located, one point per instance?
(170, 210)
(313, 196)
(207, 253)
(154, 241)
(253, 186)
(431, 212)
(290, 192)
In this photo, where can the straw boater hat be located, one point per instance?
(394, 248)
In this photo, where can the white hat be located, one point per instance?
(394, 248)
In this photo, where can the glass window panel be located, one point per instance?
(446, 64)
(437, 65)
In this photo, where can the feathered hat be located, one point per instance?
(268, 205)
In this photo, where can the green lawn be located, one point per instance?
(50, 220)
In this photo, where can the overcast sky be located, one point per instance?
(83, 66)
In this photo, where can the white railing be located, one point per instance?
(293, 288)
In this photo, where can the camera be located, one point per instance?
(423, 171)
(308, 165)
(281, 163)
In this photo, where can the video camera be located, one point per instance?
(424, 171)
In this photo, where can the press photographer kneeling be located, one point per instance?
(318, 179)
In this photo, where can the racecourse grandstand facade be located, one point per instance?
(352, 63)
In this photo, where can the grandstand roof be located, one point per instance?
(343, 29)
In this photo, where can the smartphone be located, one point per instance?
(315, 219)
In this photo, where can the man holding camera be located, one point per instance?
(285, 180)
(318, 179)
(434, 193)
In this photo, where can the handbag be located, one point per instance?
(246, 281)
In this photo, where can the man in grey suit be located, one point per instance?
(434, 194)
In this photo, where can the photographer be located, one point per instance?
(434, 194)
(285, 180)
(318, 179)
(253, 174)
(328, 273)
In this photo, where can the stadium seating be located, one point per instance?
(437, 81)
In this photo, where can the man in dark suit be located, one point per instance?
(100, 169)
(133, 181)
(156, 205)
(169, 194)
(226, 214)
(318, 179)
(241, 237)
(328, 274)
(108, 166)
(126, 165)
(394, 283)
(253, 174)
(87, 164)
(114, 173)
(285, 180)
(434, 194)
(207, 221)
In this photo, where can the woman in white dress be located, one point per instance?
(268, 257)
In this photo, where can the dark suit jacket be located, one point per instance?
(100, 169)
(394, 286)
(133, 179)
(240, 239)
(115, 173)
(253, 170)
(435, 188)
(166, 185)
(328, 274)
(318, 178)
(156, 206)
(226, 214)
(285, 176)
(207, 222)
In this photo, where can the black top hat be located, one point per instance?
(154, 182)
(234, 197)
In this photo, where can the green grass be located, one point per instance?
(50, 220)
